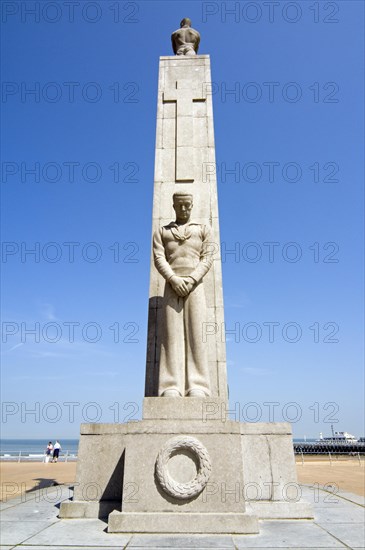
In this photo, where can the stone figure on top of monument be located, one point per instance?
(182, 256)
(185, 41)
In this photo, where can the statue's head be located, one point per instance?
(186, 22)
(183, 204)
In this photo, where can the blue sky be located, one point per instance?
(292, 130)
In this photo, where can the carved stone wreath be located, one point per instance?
(175, 489)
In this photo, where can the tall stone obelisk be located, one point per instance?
(185, 153)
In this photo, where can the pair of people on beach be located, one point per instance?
(53, 450)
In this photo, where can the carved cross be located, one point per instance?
(184, 96)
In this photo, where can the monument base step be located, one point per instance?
(192, 523)
(174, 408)
(78, 509)
(266, 509)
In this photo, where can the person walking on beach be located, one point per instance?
(49, 450)
(56, 451)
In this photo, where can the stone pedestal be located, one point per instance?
(183, 473)
(140, 473)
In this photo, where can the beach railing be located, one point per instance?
(331, 458)
(34, 456)
(324, 447)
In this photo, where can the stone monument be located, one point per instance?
(185, 467)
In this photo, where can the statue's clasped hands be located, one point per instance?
(182, 285)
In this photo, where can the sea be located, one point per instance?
(35, 448)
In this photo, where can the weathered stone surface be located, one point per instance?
(78, 509)
(100, 467)
(183, 409)
(265, 428)
(168, 522)
(170, 426)
(275, 454)
(282, 509)
(99, 475)
(213, 409)
(222, 493)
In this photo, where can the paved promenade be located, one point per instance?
(31, 522)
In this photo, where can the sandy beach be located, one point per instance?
(347, 473)
(23, 477)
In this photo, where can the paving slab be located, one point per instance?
(15, 532)
(196, 541)
(79, 532)
(315, 495)
(6, 504)
(349, 533)
(55, 547)
(30, 512)
(337, 492)
(49, 495)
(339, 513)
(356, 499)
(288, 534)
